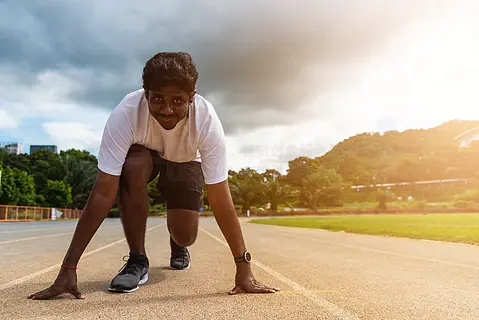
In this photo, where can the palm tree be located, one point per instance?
(275, 191)
(247, 189)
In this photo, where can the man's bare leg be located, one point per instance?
(183, 228)
(133, 196)
(134, 207)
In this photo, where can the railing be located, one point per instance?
(24, 213)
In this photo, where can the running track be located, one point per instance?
(323, 275)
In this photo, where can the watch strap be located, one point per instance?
(240, 259)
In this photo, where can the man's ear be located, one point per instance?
(146, 93)
(192, 96)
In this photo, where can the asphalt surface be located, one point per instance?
(322, 275)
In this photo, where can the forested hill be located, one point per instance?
(411, 155)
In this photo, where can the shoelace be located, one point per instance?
(179, 252)
(131, 265)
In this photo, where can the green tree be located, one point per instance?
(49, 164)
(58, 194)
(247, 189)
(78, 155)
(19, 161)
(80, 173)
(8, 188)
(25, 187)
(300, 168)
(153, 193)
(321, 188)
(276, 192)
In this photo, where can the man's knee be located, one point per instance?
(138, 165)
(183, 226)
(184, 240)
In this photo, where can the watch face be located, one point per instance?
(247, 256)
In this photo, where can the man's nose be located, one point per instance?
(166, 107)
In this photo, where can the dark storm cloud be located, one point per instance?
(251, 55)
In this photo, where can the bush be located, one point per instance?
(157, 210)
(114, 213)
(465, 204)
(420, 204)
(469, 195)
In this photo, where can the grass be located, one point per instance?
(445, 227)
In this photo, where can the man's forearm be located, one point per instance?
(230, 227)
(219, 197)
(90, 220)
(99, 204)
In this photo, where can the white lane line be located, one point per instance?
(73, 226)
(45, 236)
(338, 312)
(400, 255)
(34, 229)
(57, 266)
(40, 237)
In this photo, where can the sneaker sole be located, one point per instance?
(143, 280)
(171, 268)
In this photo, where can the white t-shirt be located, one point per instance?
(198, 137)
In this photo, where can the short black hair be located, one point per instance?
(170, 68)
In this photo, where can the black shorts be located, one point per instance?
(180, 184)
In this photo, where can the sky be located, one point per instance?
(286, 80)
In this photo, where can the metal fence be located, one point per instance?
(23, 213)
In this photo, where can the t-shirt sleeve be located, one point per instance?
(117, 138)
(212, 150)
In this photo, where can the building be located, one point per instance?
(13, 147)
(35, 148)
(466, 138)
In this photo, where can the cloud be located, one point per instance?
(252, 57)
(7, 121)
(44, 105)
(274, 146)
(425, 75)
(76, 135)
(286, 79)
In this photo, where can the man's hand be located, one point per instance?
(66, 282)
(220, 199)
(246, 283)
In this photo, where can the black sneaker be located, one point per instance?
(131, 275)
(180, 257)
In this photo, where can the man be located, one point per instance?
(166, 128)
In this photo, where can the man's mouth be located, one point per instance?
(167, 117)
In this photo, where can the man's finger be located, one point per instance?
(271, 288)
(47, 294)
(77, 294)
(261, 289)
(267, 287)
(39, 293)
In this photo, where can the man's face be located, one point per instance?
(168, 105)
